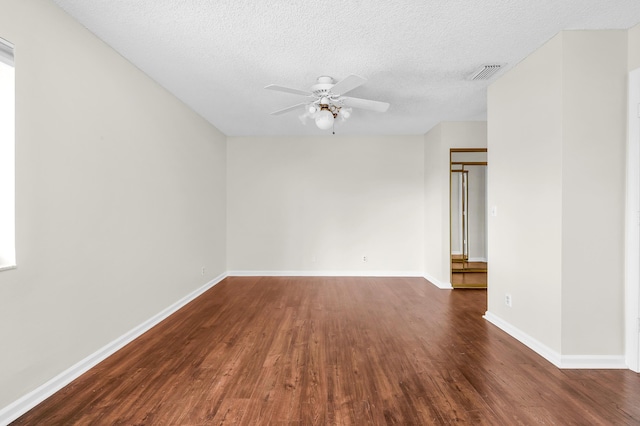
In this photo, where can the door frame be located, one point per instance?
(453, 167)
(632, 227)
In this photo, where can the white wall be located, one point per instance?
(524, 183)
(436, 164)
(437, 144)
(593, 189)
(556, 175)
(319, 204)
(120, 198)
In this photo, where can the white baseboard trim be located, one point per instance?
(560, 361)
(324, 274)
(19, 407)
(437, 282)
(477, 259)
(594, 362)
(540, 348)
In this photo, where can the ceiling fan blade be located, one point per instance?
(291, 108)
(287, 90)
(347, 84)
(365, 104)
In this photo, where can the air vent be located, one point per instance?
(486, 72)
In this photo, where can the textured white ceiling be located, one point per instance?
(217, 56)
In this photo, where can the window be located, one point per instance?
(7, 157)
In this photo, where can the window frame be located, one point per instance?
(7, 169)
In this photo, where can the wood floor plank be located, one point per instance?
(336, 351)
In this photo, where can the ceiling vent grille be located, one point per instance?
(486, 72)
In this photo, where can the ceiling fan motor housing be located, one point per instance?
(322, 88)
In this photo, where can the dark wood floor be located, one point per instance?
(324, 351)
(469, 280)
(465, 274)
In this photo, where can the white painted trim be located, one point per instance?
(540, 348)
(477, 259)
(593, 362)
(324, 274)
(437, 282)
(560, 361)
(632, 228)
(17, 408)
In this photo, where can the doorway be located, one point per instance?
(468, 217)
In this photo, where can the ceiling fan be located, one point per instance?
(326, 101)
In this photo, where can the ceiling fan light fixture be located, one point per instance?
(328, 102)
(324, 119)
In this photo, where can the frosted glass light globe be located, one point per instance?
(324, 120)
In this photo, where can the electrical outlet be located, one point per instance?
(203, 270)
(507, 299)
(364, 258)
